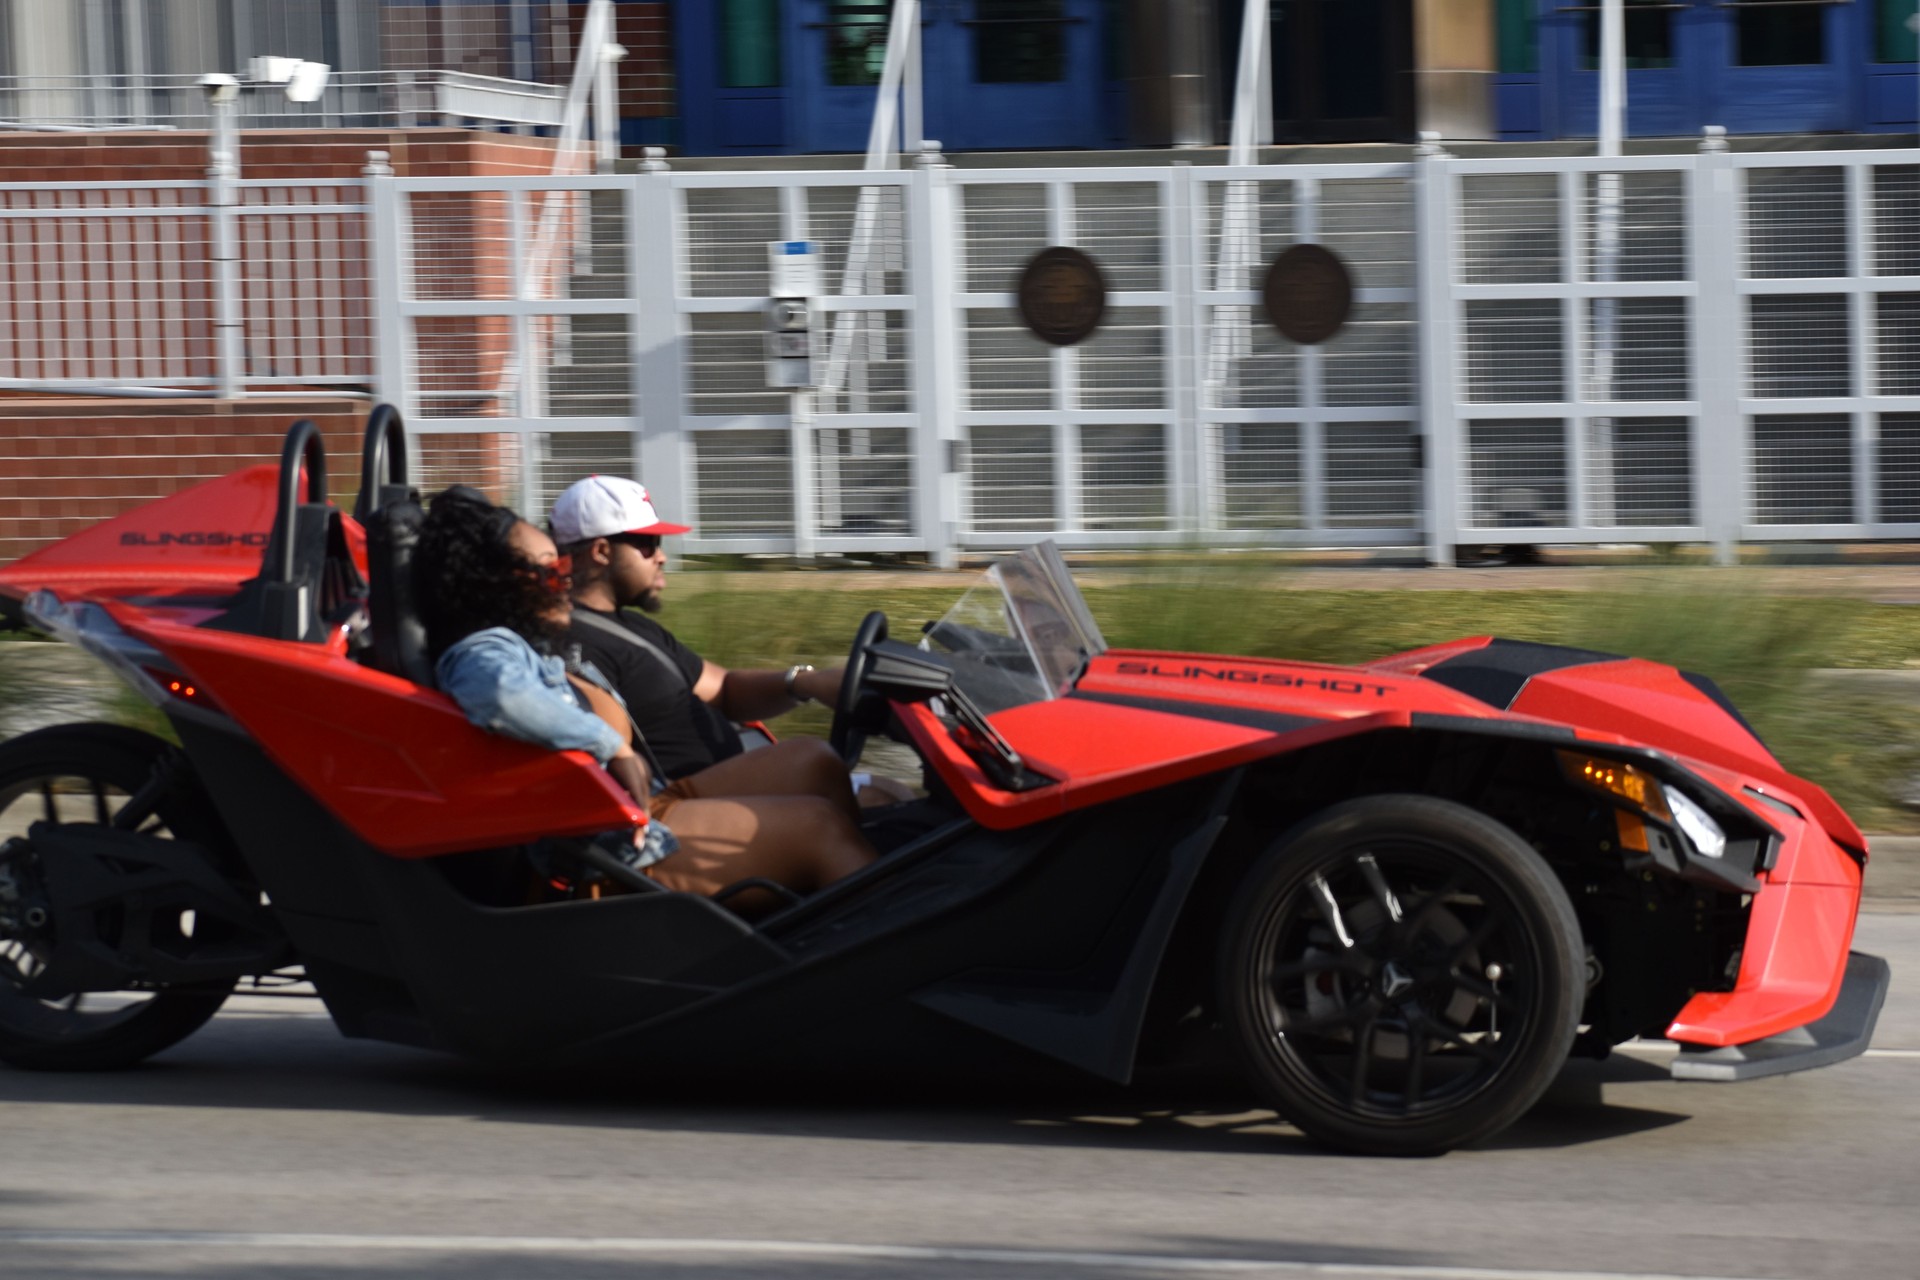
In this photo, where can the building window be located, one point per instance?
(1649, 36)
(1519, 38)
(1894, 40)
(1019, 42)
(750, 44)
(1781, 35)
(856, 41)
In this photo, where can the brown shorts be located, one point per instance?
(663, 800)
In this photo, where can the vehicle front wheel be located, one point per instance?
(1401, 975)
(92, 774)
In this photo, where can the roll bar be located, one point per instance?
(303, 444)
(383, 460)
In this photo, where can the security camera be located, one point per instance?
(219, 87)
(307, 82)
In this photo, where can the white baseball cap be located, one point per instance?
(602, 506)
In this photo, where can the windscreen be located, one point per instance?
(1022, 634)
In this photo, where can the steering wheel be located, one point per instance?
(846, 740)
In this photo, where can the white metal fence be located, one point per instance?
(1734, 357)
(116, 284)
(1706, 347)
(351, 100)
(940, 422)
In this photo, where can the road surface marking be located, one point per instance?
(1668, 1046)
(661, 1247)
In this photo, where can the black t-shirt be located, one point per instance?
(684, 734)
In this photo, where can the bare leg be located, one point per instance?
(802, 842)
(796, 767)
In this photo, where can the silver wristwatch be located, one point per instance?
(793, 673)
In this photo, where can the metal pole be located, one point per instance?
(1613, 75)
(606, 100)
(1606, 253)
(1248, 84)
(223, 201)
(913, 125)
(901, 67)
(881, 133)
(1239, 223)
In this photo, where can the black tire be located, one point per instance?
(1401, 975)
(95, 767)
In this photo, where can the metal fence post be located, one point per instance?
(386, 234)
(1865, 356)
(223, 198)
(1439, 329)
(938, 450)
(1713, 209)
(657, 345)
(1187, 469)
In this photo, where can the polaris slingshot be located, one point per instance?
(1404, 891)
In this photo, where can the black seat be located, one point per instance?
(390, 511)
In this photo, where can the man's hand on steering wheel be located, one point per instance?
(845, 737)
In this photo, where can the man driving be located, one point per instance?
(683, 706)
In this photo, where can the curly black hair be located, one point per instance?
(467, 576)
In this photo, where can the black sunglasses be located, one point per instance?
(645, 543)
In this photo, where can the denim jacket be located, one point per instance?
(506, 687)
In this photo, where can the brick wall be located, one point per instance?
(163, 156)
(644, 81)
(479, 40)
(69, 464)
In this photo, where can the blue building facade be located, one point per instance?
(758, 77)
(1751, 66)
(770, 76)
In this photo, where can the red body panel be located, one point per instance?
(209, 538)
(398, 764)
(1798, 935)
(1265, 684)
(1654, 705)
(1100, 752)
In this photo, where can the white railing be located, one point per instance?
(351, 99)
(1734, 357)
(1737, 360)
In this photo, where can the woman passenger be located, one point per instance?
(494, 597)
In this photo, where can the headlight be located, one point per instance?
(1695, 823)
(1644, 797)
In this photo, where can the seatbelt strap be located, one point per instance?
(609, 627)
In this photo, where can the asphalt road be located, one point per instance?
(267, 1146)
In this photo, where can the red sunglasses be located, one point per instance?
(556, 577)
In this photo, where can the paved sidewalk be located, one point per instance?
(1893, 872)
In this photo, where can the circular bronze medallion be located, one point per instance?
(1062, 295)
(1308, 294)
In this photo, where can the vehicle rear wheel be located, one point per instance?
(1401, 975)
(92, 774)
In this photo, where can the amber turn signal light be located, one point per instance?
(1619, 780)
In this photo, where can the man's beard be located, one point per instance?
(649, 601)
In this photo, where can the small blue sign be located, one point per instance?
(797, 246)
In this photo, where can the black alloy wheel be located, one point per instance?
(1401, 975)
(89, 774)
